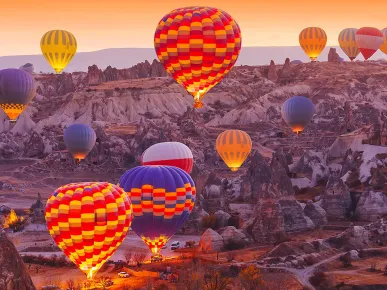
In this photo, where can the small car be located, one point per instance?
(123, 275)
(156, 258)
(175, 245)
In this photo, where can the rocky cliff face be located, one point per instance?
(277, 211)
(336, 199)
(13, 273)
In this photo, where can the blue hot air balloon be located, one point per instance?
(162, 199)
(79, 140)
(297, 112)
(17, 89)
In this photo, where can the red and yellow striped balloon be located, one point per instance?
(88, 221)
(198, 46)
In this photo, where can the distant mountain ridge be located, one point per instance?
(127, 57)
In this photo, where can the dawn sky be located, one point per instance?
(99, 24)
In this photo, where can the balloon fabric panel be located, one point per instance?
(198, 46)
(313, 41)
(58, 47)
(17, 89)
(162, 198)
(88, 221)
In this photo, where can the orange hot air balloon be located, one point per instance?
(383, 47)
(88, 221)
(313, 41)
(198, 46)
(233, 146)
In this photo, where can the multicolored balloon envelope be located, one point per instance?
(369, 40)
(58, 47)
(17, 89)
(79, 140)
(347, 42)
(88, 222)
(313, 41)
(198, 46)
(297, 112)
(233, 146)
(169, 153)
(162, 197)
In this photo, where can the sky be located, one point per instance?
(99, 24)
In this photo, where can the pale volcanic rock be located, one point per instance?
(371, 205)
(232, 236)
(336, 199)
(13, 273)
(316, 213)
(314, 164)
(222, 218)
(211, 241)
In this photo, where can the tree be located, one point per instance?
(209, 222)
(72, 285)
(104, 282)
(139, 258)
(128, 256)
(216, 281)
(250, 278)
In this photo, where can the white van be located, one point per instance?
(175, 245)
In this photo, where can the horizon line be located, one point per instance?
(136, 48)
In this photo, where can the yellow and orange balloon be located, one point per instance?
(198, 46)
(383, 47)
(88, 221)
(58, 47)
(233, 146)
(347, 42)
(313, 41)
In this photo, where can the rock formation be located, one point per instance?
(336, 199)
(96, 76)
(277, 211)
(316, 213)
(211, 241)
(333, 56)
(13, 273)
(233, 238)
(28, 67)
(371, 206)
(314, 165)
(272, 73)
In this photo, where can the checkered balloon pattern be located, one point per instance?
(162, 198)
(89, 221)
(198, 46)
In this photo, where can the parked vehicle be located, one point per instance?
(123, 275)
(175, 245)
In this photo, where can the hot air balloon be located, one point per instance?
(368, 39)
(297, 112)
(28, 67)
(88, 221)
(198, 46)
(233, 146)
(58, 47)
(313, 41)
(79, 140)
(383, 47)
(162, 199)
(17, 89)
(347, 42)
(169, 153)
